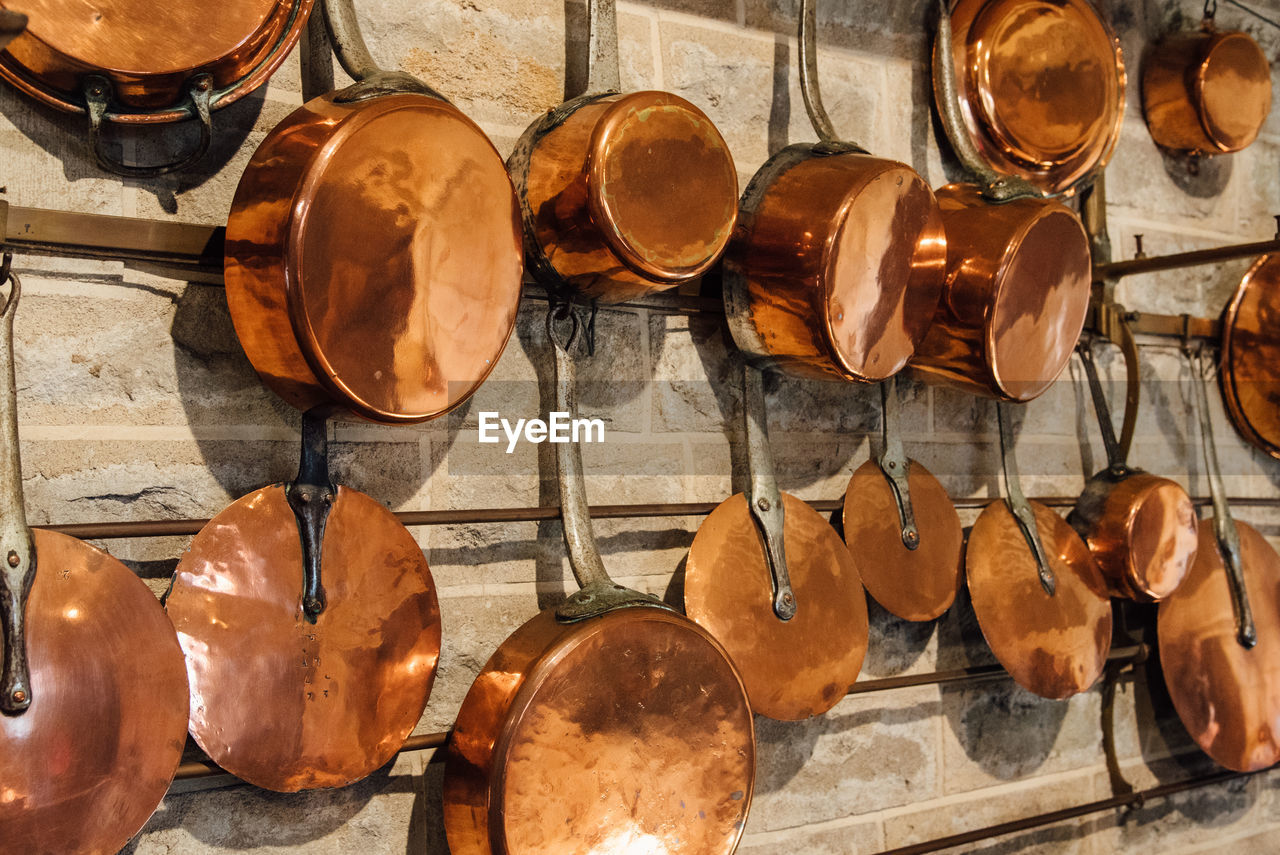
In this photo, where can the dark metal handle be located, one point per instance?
(97, 97)
(1115, 454)
(311, 497)
(603, 74)
(764, 500)
(809, 88)
(353, 54)
(895, 464)
(1017, 502)
(11, 26)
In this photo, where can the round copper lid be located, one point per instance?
(84, 767)
(1251, 354)
(1233, 89)
(662, 186)
(1162, 538)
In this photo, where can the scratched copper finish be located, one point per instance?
(792, 669)
(283, 703)
(149, 51)
(1251, 355)
(1017, 289)
(838, 264)
(627, 733)
(1206, 91)
(1228, 697)
(366, 272)
(84, 767)
(1054, 646)
(914, 584)
(1041, 87)
(629, 194)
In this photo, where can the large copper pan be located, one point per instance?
(136, 61)
(608, 726)
(373, 249)
(622, 194)
(93, 695)
(1251, 355)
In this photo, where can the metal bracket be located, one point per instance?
(764, 500)
(1017, 501)
(311, 496)
(896, 466)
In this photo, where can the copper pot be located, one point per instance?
(1251, 354)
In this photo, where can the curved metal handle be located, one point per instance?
(764, 500)
(97, 97)
(896, 466)
(1017, 501)
(809, 88)
(1115, 454)
(311, 496)
(603, 74)
(349, 46)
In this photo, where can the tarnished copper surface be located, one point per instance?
(1054, 646)
(914, 584)
(837, 266)
(365, 272)
(792, 669)
(1041, 86)
(1206, 91)
(149, 51)
(1251, 355)
(627, 733)
(284, 703)
(1227, 696)
(1017, 290)
(84, 767)
(628, 194)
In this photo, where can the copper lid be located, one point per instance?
(1233, 90)
(1251, 355)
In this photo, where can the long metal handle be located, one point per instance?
(764, 499)
(1017, 502)
(602, 47)
(809, 88)
(311, 496)
(349, 46)
(1224, 527)
(1115, 454)
(895, 464)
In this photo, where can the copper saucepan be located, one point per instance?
(1251, 354)
(622, 194)
(93, 695)
(134, 62)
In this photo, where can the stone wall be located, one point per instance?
(137, 402)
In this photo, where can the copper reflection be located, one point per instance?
(1052, 645)
(1017, 289)
(1227, 696)
(1251, 356)
(82, 770)
(1041, 87)
(362, 271)
(914, 584)
(792, 669)
(149, 51)
(283, 703)
(838, 264)
(623, 734)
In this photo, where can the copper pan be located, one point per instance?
(1251, 354)
(136, 62)
(373, 255)
(93, 695)
(1219, 633)
(607, 726)
(622, 195)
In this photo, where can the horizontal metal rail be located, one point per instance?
(1180, 260)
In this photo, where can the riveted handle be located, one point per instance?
(895, 464)
(1021, 509)
(98, 96)
(764, 499)
(311, 496)
(1115, 454)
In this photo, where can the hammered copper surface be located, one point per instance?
(840, 262)
(1054, 646)
(1041, 86)
(1206, 91)
(631, 194)
(379, 276)
(914, 584)
(84, 767)
(1251, 355)
(284, 703)
(1016, 294)
(624, 734)
(148, 50)
(1227, 696)
(792, 669)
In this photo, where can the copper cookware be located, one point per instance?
(136, 62)
(1040, 85)
(901, 522)
(1040, 599)
(373, 248)
(1206, 92)
(1219, 633)
(622, 194)
(1141, 528)
(93, 691)
(1251, 354)
(609, 725)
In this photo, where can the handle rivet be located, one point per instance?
(763, 504)
(788, 599)
(912, 536)
(19, 697)
(14, 560)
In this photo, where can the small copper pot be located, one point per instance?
(1206, 92)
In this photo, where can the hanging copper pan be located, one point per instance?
(609, 725)
(373, 249)
(1251, 354)
(93, 693)
(1219, 633)
(136, 62)
(622, 195)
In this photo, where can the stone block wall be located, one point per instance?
(137, 402)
